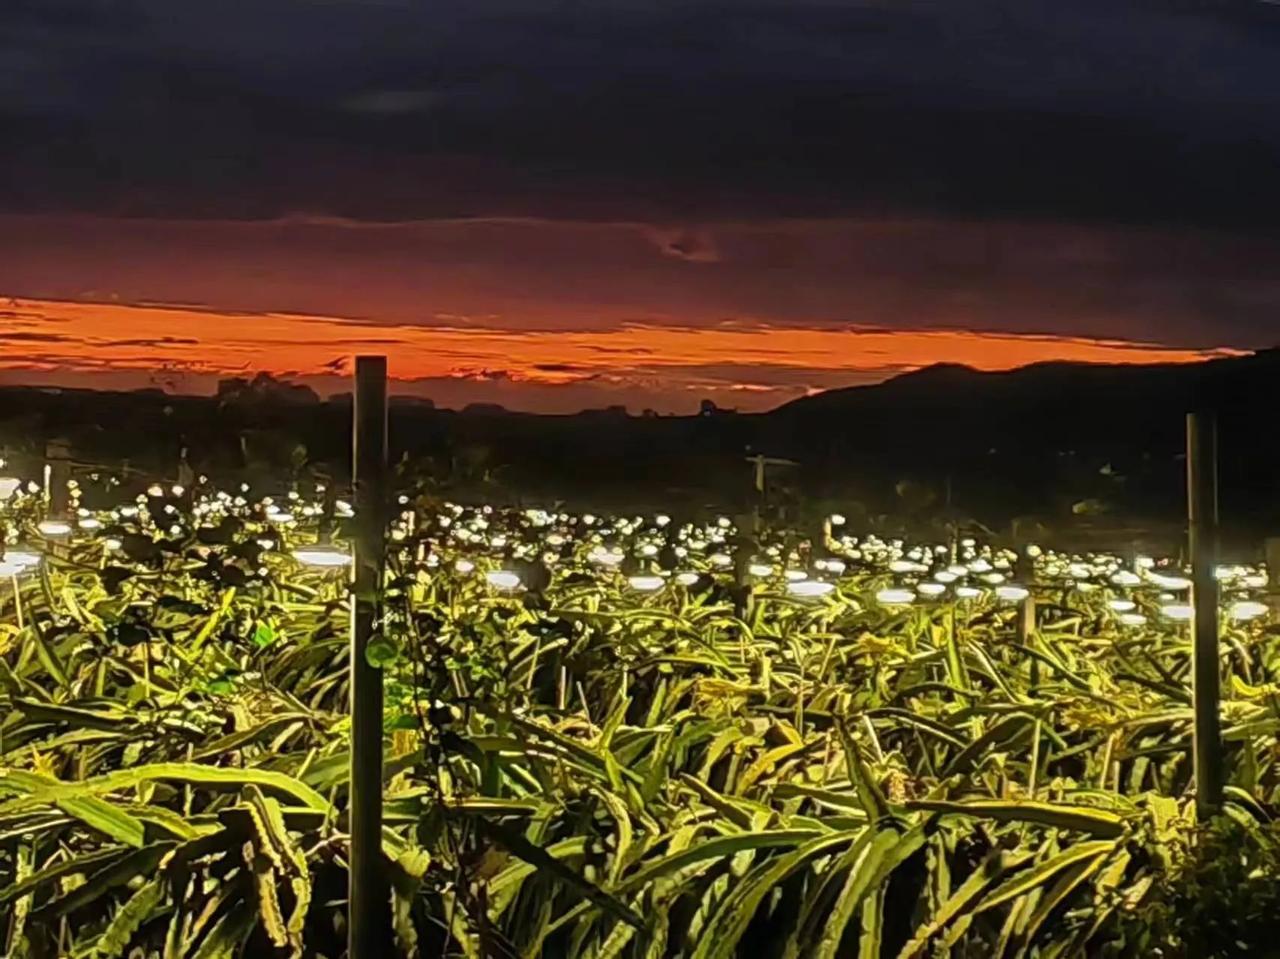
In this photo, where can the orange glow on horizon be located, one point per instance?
(45, 336)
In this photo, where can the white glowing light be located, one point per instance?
(645, 584)
(895, 597)
(837, 519)
(8, 486)
(54, 527)
(1179, 612)
(945, 576)
(606, 557)
(931, 589)
(21, 557)
(968, 592)
(464, 566)
(1126, 578)
(760, 569)
(795, 575)
(1122, 605)
(686, 579)
(1012, 594)
(662, 519)
(1175, 583)
(1245, 610)
(809, 588)
(90, 523)
(1133, 619)
(320, 556)
(502, 579)
(720, 559)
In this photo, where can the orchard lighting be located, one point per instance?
(322, 557)
(502, 579)
(809, 588)
(645, 584)
(895, 597)
(1173, 583)
(1245, 610)
(22, 558)
(1012, 594)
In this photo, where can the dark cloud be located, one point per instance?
(1130, 110)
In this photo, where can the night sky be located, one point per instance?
(560, 205)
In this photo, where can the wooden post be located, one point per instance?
(1273, 573)
(1202, 541)
(369, 923)
(58, 474)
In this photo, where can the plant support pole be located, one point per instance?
(369, 929)
(1202, 514)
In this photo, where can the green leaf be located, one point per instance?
(115, 940)
(105, 818)
(539, 857)
(1043, 872)
(1099, 822)
(722, 936)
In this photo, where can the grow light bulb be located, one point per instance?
(21, 557)
(1245, 610)
(645, 584)
(1175, 583)
(895, 597)
(502, 579)
(809, 588)
(321, 556)
(1012, 594)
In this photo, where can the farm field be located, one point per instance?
(617, 736)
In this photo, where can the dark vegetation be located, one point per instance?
(1059, 449)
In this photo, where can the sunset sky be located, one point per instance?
(559, 205)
